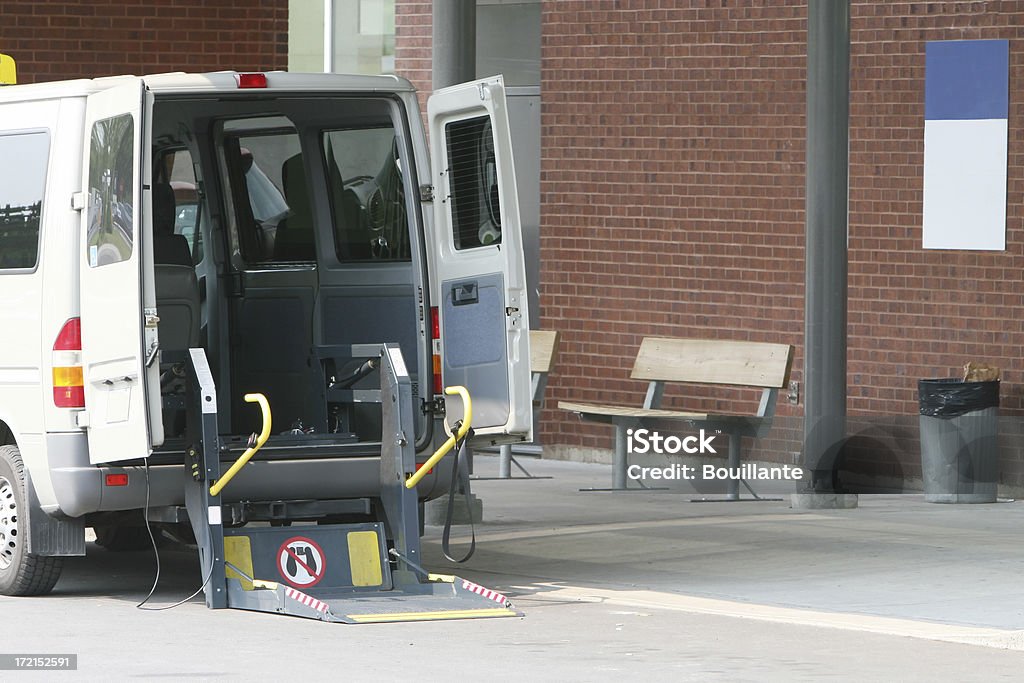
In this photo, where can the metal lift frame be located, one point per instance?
(431, 596)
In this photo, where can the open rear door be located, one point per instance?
(478, 277)
(115, 332)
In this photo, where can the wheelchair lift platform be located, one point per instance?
(348, 573)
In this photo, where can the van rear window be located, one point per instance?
(21, 197)
(111, 201)
(473, 182)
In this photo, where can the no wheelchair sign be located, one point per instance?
(301, 562)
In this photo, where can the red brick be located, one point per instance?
(672, 183)
(68, 38)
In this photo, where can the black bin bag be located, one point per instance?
(954, 397)
(959, 432)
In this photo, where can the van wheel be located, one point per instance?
(123, 539)
(21, 573)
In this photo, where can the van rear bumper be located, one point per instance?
(80, 489)
(77, 484)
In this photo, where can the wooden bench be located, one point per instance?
(543, 353)
(694, 361)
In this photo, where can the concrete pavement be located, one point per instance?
(614, 587)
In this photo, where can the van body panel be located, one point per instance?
(25, 346)
(21, 281)
(59, 252)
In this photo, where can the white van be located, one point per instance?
(269, 220)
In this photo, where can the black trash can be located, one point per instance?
(959, 430)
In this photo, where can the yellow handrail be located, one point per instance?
(467, 420)
(251, 451)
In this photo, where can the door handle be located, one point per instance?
(465, 293)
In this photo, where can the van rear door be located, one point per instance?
(116, 336)
(478, 276)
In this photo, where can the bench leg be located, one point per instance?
(505, 462)
(732, 492)
(619, 464)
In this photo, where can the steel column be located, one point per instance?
(454, 42)
(828, 104)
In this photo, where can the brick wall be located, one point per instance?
(672, 196)
(916, 313)
(671, 191)
(60, 39)
(413, 34)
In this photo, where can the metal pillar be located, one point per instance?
(620, 459)
(828, 105)
(454, 42)
(732, 491)
(398, 459)
(204, 510)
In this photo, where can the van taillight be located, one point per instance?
(435, 335)
(68, 384)
(252, 80)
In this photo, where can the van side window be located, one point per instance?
(269, 194)
(22, 181)
(364, 175)
(473, 180)
(176, 170)
(111, 191)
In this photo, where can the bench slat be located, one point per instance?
(624, 411)
(543, 350)
(739, 363)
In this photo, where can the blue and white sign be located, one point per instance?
(966, 106)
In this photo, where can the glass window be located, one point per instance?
(270, 194)
(111, 190)
(176, 169)
(21, 197)
(473, 183)
(364, 175)
(364, 36)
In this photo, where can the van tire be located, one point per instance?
(21, 573)
(125, 539)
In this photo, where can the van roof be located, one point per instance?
(219, 81)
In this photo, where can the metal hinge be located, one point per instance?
(154, 348)
(77, 201)
(426, 193)
(233, 285)
(434, 406)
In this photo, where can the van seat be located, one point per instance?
(168, 247)
(177, 302)
(294, 240)
(177, 289)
